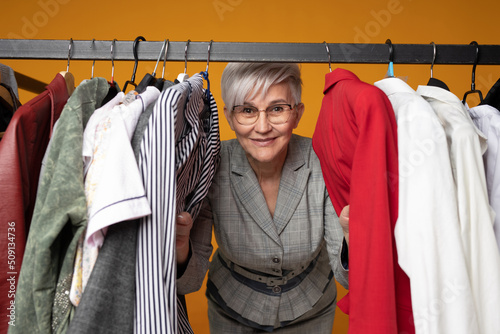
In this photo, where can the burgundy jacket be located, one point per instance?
(21, 152)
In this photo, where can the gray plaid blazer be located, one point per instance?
(305, 227)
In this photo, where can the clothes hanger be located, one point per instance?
(9, 104)
(150, 79)
(473, 80)
(165, 59)
(6, 95)
(67, 75)
(112, 82)
(113, 86)
(183, 76)
(493, 96)
(93, 63)
(136, 59)
(205, 73)
(390, 69)
(206, 112)
(329, 57)
(433, 81)
(158, 83)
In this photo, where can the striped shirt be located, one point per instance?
(177, 161)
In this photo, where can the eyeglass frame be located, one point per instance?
(265, 110)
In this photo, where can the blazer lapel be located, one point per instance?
(292, 185)
(249, 193)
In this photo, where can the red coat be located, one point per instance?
(21, 152)
(356, 141)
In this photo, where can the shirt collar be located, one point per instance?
(453, 101)
(440, 94)
(394, 85)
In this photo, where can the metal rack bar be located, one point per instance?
(251, 52)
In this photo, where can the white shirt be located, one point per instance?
(81, 275)
(428, 230)
(466, 145)
(487, 119)
(113, 185)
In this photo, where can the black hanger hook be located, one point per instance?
(391, 50)
(136, 57)
(70, 47)
(135, 47)
(473, 79)
(476, 59)
(329, 57)
(433, 56)
(208, 54)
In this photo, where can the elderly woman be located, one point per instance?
(280, 240)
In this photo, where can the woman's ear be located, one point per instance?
(300, 110)
(228, 117)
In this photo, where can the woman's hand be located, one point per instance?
(344, 222)
(183, 223)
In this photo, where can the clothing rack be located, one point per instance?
(454, 54)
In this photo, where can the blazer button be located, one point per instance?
(276, 259)
(276, 289)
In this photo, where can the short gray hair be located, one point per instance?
(239, 80)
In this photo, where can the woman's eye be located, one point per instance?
(248, 111)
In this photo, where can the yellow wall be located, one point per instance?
(334, 21)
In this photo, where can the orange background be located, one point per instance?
(334, 21)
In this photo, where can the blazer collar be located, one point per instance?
(337, 75)
(294, 178)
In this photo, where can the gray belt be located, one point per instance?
(269, 280)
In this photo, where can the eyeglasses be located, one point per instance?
(276, 114)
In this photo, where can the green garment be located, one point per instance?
(60, 216)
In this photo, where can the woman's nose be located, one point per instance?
(262, 124)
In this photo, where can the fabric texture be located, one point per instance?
(313, 322)
(294, 239)
(467, 144)
(163, 153)
(60, 216)
(107, 307)
(116, 192)
(21, 153)
(356, 141)
(487, 119)
(428, 229)
(113, 185)
(80, 277)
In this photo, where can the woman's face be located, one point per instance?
(263, 141)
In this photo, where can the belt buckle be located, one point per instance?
(276, 281)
